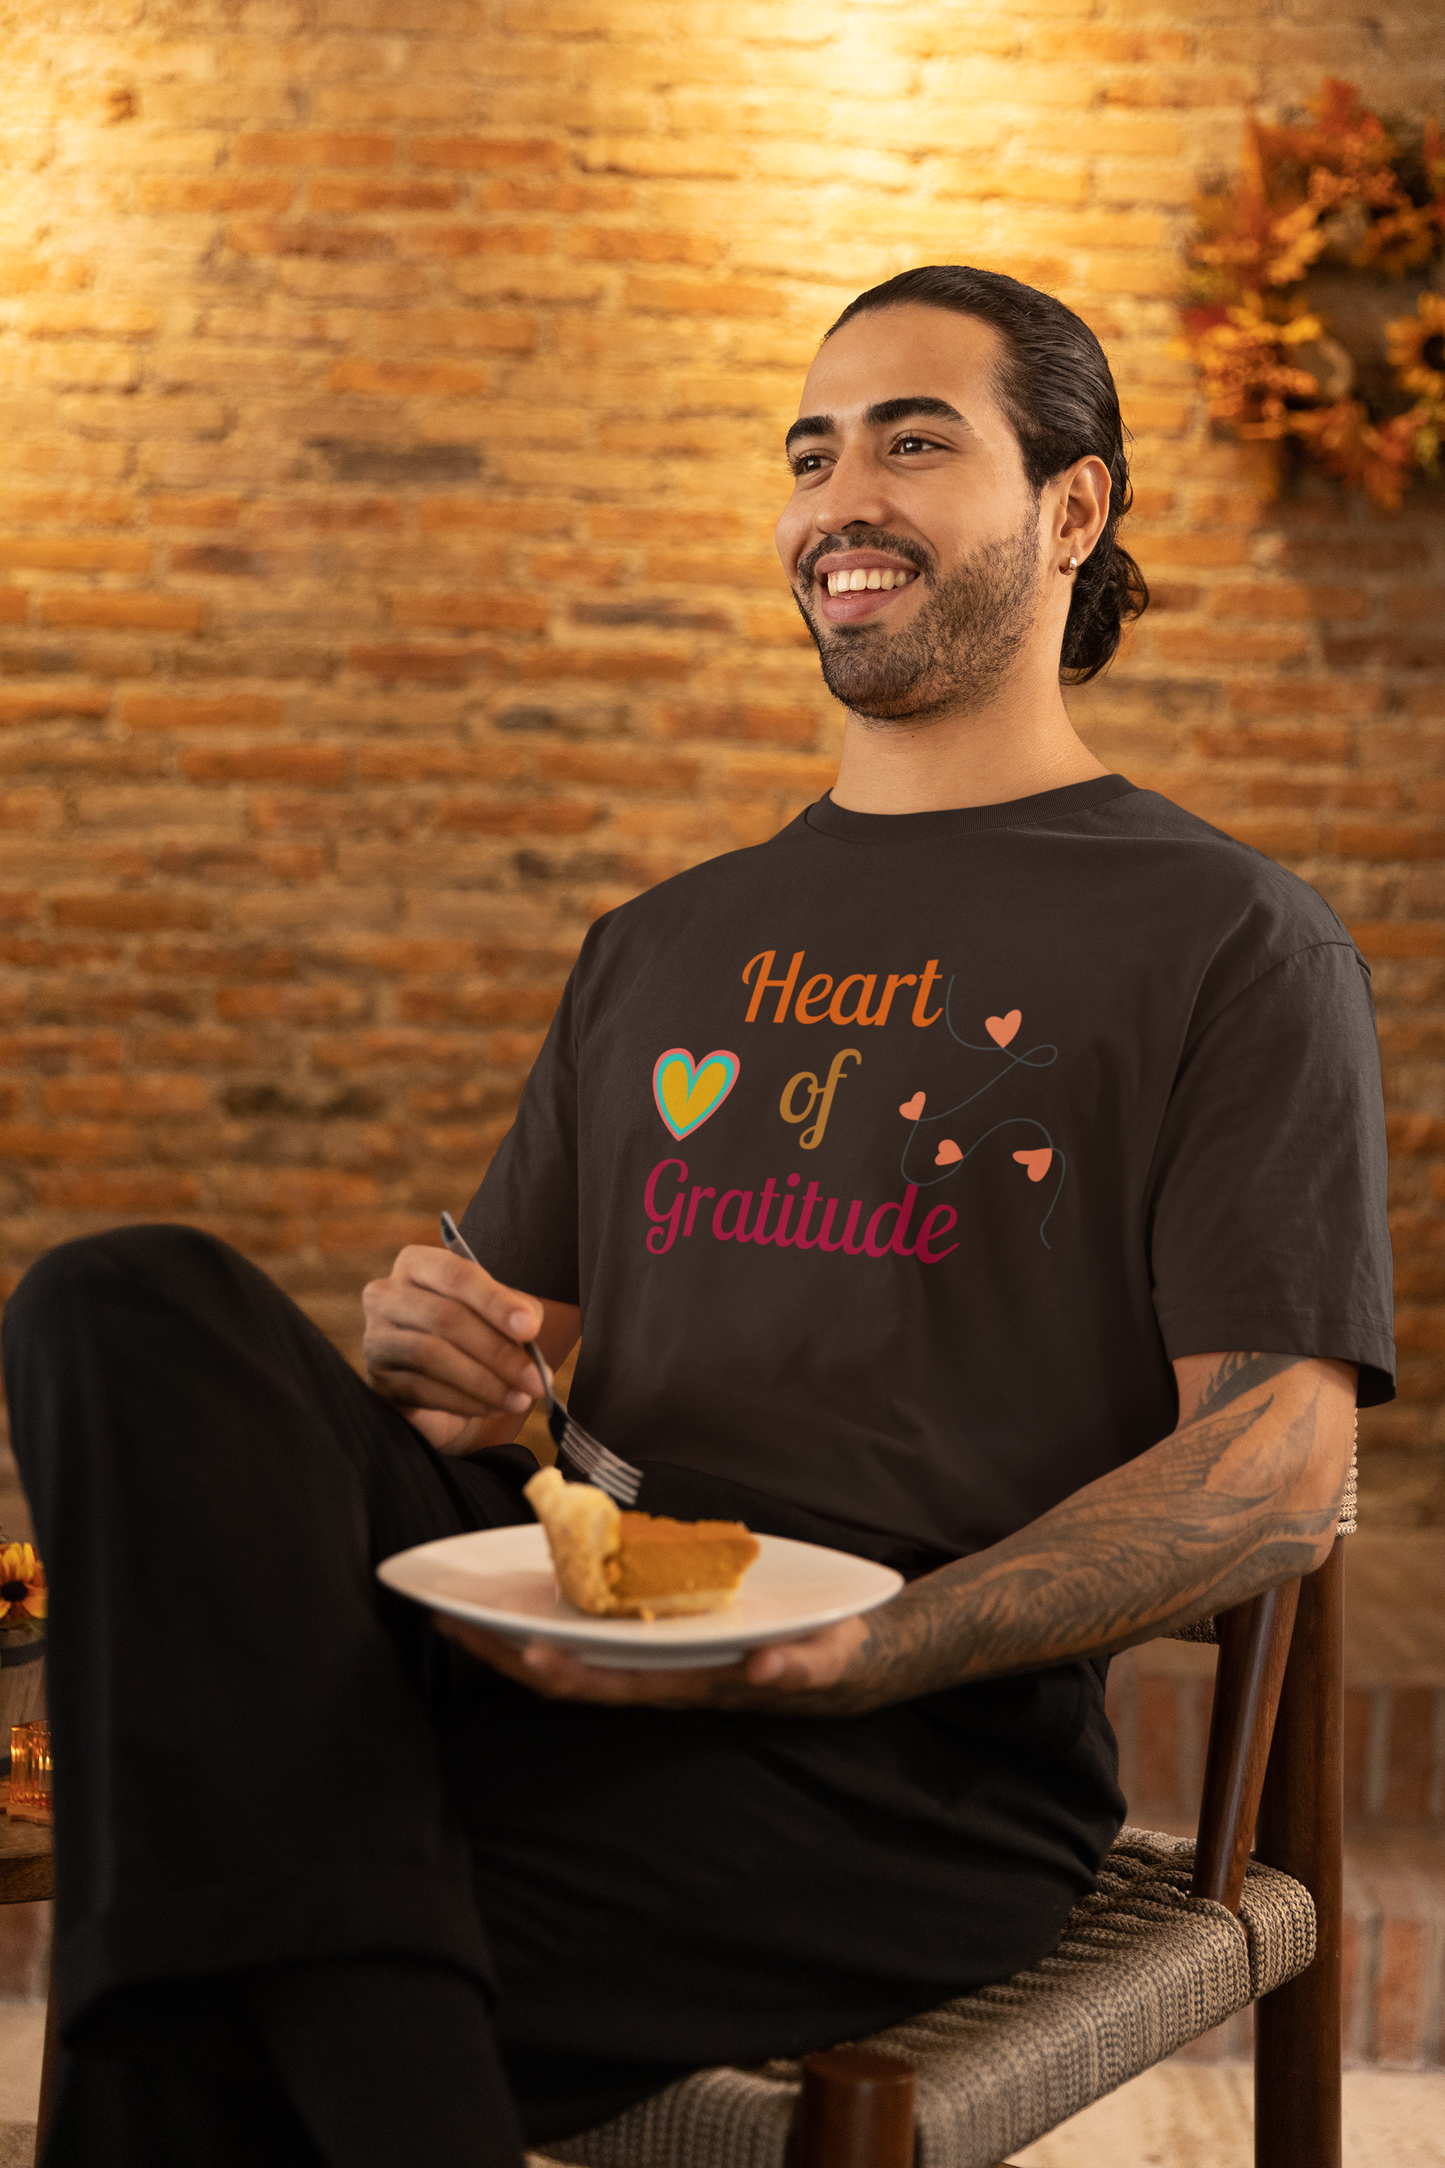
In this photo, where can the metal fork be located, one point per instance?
(588, 1455)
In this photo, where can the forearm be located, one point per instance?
(1243, 1495)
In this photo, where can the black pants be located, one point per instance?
(263, 1758)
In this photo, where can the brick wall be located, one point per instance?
(391, 401)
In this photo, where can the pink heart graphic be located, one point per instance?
(1038, 1163)
(947, 1153)
(912, 1108)
(1002, 1028)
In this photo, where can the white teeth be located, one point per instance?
(857, 583)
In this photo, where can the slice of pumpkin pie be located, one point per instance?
(636, 1565)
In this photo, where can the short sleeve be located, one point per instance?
(523, 1221)
(1265, 1211)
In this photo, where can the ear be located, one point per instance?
(1080, 508)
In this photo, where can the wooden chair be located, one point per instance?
(1178, 1936)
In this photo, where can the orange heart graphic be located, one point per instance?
(1038, 1163)
(912, 1108)
(947, 1153)
(1002, 1028)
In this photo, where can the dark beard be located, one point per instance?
(959, 647)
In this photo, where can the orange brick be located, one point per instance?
(313, 147)
(150, 613)
(483, 330)
(76, 553)
(142, 1190)
(456, 238)
(120, 913)
(436, 665)
(1388, 839)
(609, 665)
(633, 244)
(226, 711)
(480, 1004)
(192, 192)
(490, 606)
(1277, 837)
(1303, 746)
(136, 1095)
(304, 237)
(258, 1189)
(75, 1142)
(439, 514)
(487, 154)
(383, 195)
(499, 817)
(757, 722)
(1181, 643)
(704, 297)
(405, 379)
(620, 767)
(30, 704)
(317, 1004)
(378, 1233)
(271, 763)
(192, 509)
(410, 760)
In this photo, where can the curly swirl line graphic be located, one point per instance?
(1037, 1057)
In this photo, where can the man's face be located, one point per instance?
(907, 473)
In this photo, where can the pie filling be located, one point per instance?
(636, 1565)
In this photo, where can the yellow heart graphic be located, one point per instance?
(686, 1094)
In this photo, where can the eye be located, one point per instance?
(807, 462)
(912, 444)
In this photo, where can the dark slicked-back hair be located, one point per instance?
(1056, 389)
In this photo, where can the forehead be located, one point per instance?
(910, 351)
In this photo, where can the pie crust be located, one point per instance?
(636, 1565)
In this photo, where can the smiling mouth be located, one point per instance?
(861, 582)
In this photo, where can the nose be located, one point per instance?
(855, 494)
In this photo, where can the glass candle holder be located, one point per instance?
(30, 1798)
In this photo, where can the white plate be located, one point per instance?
(502, 1578)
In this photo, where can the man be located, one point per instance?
(1038, 1108)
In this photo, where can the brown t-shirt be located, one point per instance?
(892, 1161)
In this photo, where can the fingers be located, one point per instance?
(820, 1660)
(558, 1676)
(511, 1315)
(442, 1333)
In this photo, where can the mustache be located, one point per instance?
(870, 538)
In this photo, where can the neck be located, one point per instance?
(1018, 744)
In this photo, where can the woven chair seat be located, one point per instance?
(1140, 1969)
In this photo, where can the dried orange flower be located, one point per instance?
(1338, 191)
(1417, 347)
(23, 1593)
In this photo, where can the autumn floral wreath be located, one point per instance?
(1314, 204)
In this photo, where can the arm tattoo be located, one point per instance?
(1201, 1521)
(1241, 1374)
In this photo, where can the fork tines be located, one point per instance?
(620, 1481)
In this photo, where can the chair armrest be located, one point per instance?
(1254, 1645)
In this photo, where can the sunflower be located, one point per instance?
(1417, 347)
(23, 1593)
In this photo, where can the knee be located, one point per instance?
(50, 1291)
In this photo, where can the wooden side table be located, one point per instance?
(27, 1876)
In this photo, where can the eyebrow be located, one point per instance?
(877, 417)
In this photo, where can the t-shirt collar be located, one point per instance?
(1046, 806)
